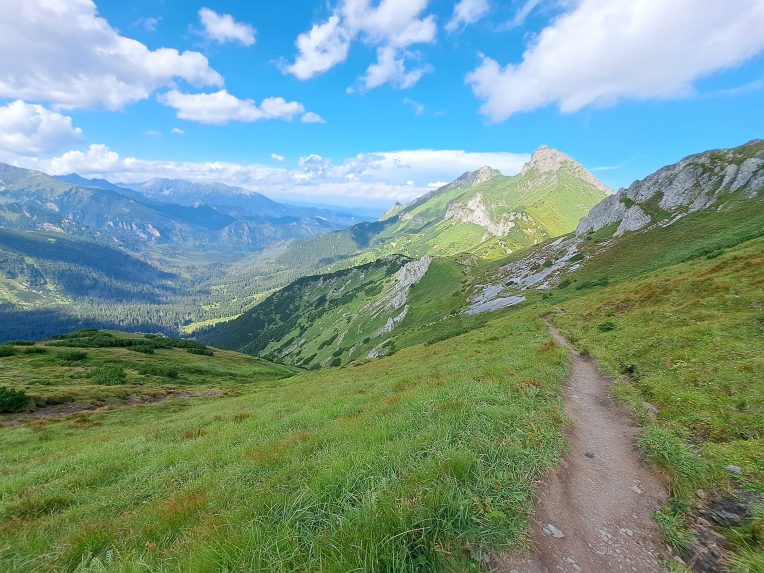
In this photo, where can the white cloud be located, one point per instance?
(368, 178)
(277, 157)
(419, 109)
(312, 117)
(391, 26)
(522, 14)
(222, 28)
(62, 52)
(391, 68)
(30, 129)
(153, 133)
(149, 24)
(177, 131)
(606, 50)
(220, 107)
(467, 12)
(321, 48)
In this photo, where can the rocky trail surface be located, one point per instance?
(595, 512)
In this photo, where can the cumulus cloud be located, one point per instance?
(320, 49)
(603, 51)
(221, 107)
(312, 117)
(76, 59)
(277, 157)
(222, 28)
(30, 129)
(392, 26)
(391, 68)
(369, 178)
(467, 12)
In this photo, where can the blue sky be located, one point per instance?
(408, 93)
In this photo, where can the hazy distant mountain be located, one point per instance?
(161, 212)
(237, 201)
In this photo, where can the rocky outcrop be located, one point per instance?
(634, 218)
(474, 178)
(696, 182)
(548, 160)
(404, 278)
(475, 211)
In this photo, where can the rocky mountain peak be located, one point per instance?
(545, 159)
(475, 178)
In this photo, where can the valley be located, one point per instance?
(390, 396)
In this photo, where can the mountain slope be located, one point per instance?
(481, 212)
(239, 202)
(101, 211)
(352, 314)
(319, 333)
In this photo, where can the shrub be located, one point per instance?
(577, 257)
(156, 370)
(109, 375)
(20, 342)
(200, 351)
(35, 350)
(606, 326)
(143, 348)
(7, 350)
(602, 281)
(13, 400)
(336, 362)
(68, 356)
(565, 283)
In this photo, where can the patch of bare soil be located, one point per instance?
(595, 512)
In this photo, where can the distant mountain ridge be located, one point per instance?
(115, 215)
(481, 212)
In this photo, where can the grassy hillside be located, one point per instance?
(92, 368)
(421, 461)
(349, 315)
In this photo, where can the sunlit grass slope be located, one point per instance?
(419, 461)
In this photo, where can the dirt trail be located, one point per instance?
(602, 497)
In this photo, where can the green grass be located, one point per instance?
(400, 464)
(113, 374)
(704, 372)
(686, 340)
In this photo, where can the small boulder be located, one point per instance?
(552, 531)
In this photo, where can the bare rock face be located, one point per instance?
(634, 218)
(475, 178)
(406, 277)
(475, 211)
(696, 182)
(548, 160)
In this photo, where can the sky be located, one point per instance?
(368, 102)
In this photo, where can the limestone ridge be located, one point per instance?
(474, 178)
(547, 160)
(694, 183)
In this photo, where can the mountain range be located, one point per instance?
(370, 310)
(155, 213)
(410, 380)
